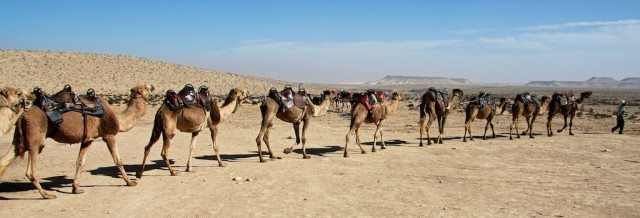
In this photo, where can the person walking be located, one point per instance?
(620, 118)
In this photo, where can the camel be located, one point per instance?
(270, 109)
(568, 110)
(430, 106)
(33, 127)
(190, 120)
(380, 112)
(529, 111)
(473, 111)
(12, 104)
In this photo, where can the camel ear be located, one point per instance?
(150, 87)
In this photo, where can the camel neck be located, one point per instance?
(229, 106)
(136, 109)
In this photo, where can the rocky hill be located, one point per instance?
(401, 80)
(115, 74)
(599, 82)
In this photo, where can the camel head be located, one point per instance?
(14, 98)
(238, 95)
(142, 91)
(503, 104)
(585, 95)
(457, 92)
(545, 99)
(397, 96)
(329, 94)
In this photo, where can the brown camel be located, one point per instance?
(430, 105)
(567, 110)
(473, 111)
(270, 109)
(34, 127)
(191, 120)
(529, 110)
(380, 112)
(12, 104)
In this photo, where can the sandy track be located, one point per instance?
(558, 176)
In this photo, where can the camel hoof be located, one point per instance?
(559, 130)
(363, 152)
(570, 133)
(383, 147)
(464, 140)
(373, 150)
(287, 150)
(510, 138)
(132, 183)
(139, 175)
(420, 145)
(346, 155)
(440, 142)
(175, 173)
(222, 164)
(471, 139)
(263, 161)
(273, 157)
(189, 170)
(306, 157)
(77, 190)
(484, 138)
(49, 196)
(531, 137)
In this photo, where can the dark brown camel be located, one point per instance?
(436, 109)
(529, 110)
(473, 112)
(568, 110)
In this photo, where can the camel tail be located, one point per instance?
(423, 108)
(157, 126)
(18, 139)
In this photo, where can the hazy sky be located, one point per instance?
(346, 41)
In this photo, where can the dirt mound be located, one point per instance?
(115, 74)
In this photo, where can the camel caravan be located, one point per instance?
(71, 118)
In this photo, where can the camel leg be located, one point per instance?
(384, 146)
(259, 139)
(358, 142)
(441, 122)
(192, 148)
(8, 159)
(82, 155)
(431, 119)
(565, 123)
(113, 149)
(571, 123)
(486, 126)
(466, 129)
(166, 138)
(346, 143)
(511, 127)
(266, 142)
(214, 135)
(470, 137)
(533, 119)
(422, 128)
(493, 132)
(296, 129)
(549, 132)
(31, 173)
(154, 138)
(267, 120)
(375, 137)
(529, 122)
(304, 139)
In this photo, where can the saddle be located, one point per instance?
(483, 100)
(567, 99)
(529, 98)
(370, 98)
(188, 97)
(287, 98)
(442, 97)
(66, 100)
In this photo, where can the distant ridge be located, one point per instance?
(600, 82)
(402, 80)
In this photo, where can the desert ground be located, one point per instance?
(595, 173)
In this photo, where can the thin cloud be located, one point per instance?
(581, 24)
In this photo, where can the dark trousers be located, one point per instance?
(620, 125)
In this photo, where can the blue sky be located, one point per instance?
(346, 41)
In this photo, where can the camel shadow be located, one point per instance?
(450, 138)
(48, 183)
(320, 151)
(233, 157)
(112, 171)
(394, 142)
